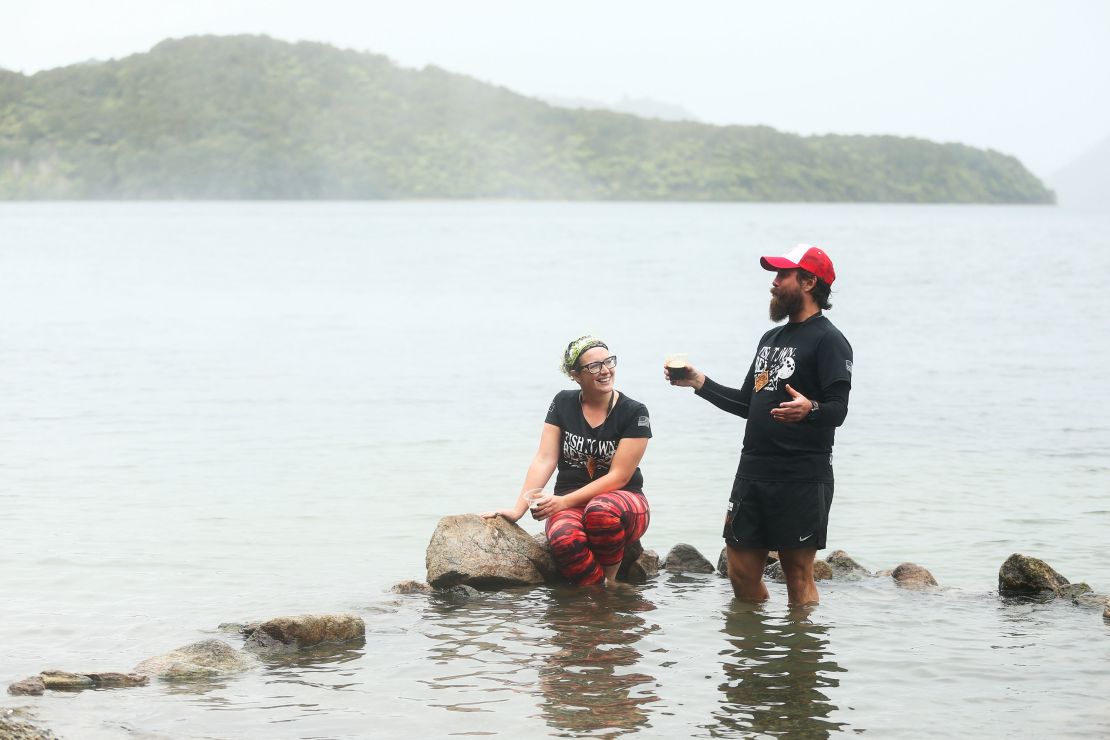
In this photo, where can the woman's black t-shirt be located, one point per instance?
(587, 452)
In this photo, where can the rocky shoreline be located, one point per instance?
(466, 556)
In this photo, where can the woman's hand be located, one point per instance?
(548, 506)
(509, 514)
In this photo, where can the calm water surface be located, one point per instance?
(217, 412)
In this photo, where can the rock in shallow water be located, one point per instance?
(640, 569)
(912, 575)
(31, 686)
(485, 553)
(411, 587)
(304, 630)
(64, 681)
(1022, 575)
(198, 661)
(16, 724)
(685, 558)
(774, 571)
(844, 566)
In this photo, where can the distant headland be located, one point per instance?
(250, 117)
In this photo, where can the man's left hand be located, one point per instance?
(794, 410)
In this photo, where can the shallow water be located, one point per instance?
(220, 412)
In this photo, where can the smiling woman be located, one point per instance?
(595, 437)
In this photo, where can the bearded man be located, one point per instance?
(794, 396)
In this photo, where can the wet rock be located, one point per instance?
(461, 591)
(685, 558)
(1074, 591)
(821, 571)
(31, 686)
(1091, 599)
(411, 587)
(912, 575)
(884, 573)
(485, 553)
(238, 628)
(844, 566)
(198, 661)
(1106, 614)
(118, 680)
(17, 724)
(304, 630)
(1022, 575)
(640, 570)
(63, 681)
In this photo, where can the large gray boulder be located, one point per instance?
(844, 566)
(288, 634)
(198, 661)
(1022, 575)
(685, 558)
(487, 554)
(913, 576)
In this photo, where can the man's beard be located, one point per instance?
(785, 303)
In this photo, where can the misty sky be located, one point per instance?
(1025, 78)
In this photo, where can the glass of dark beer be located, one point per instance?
(676, 366)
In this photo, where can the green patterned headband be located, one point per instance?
(576, 348)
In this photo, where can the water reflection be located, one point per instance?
(590, 684)
(776, 667)
(573, 649)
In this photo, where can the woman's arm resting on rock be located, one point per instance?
(539, 472)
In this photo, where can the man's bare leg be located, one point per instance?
(797, 566)
(745, 570)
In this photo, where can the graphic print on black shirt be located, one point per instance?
(587, 452)
(773, 364)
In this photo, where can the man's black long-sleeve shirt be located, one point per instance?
(816, 360)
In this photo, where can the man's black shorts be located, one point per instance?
(778, 515)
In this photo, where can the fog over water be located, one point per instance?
(219, 412)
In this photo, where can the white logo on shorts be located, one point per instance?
(803, 539)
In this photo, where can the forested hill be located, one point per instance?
(251, 117)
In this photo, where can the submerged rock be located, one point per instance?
(31, 686)
(61, 680)
(118, 680)
(821, 571)
(912, 575)
(844, 566)
(411, 587)
(197, 661)
(304, 630)
(462, 591)
(1106, 614)
(685, 558)
(485, 553)
(1074, 591)
(17, 724)
(1022, 575)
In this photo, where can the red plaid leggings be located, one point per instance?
(586, 539)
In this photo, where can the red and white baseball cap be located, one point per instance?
(805, 256)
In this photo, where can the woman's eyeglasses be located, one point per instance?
(595, 367)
